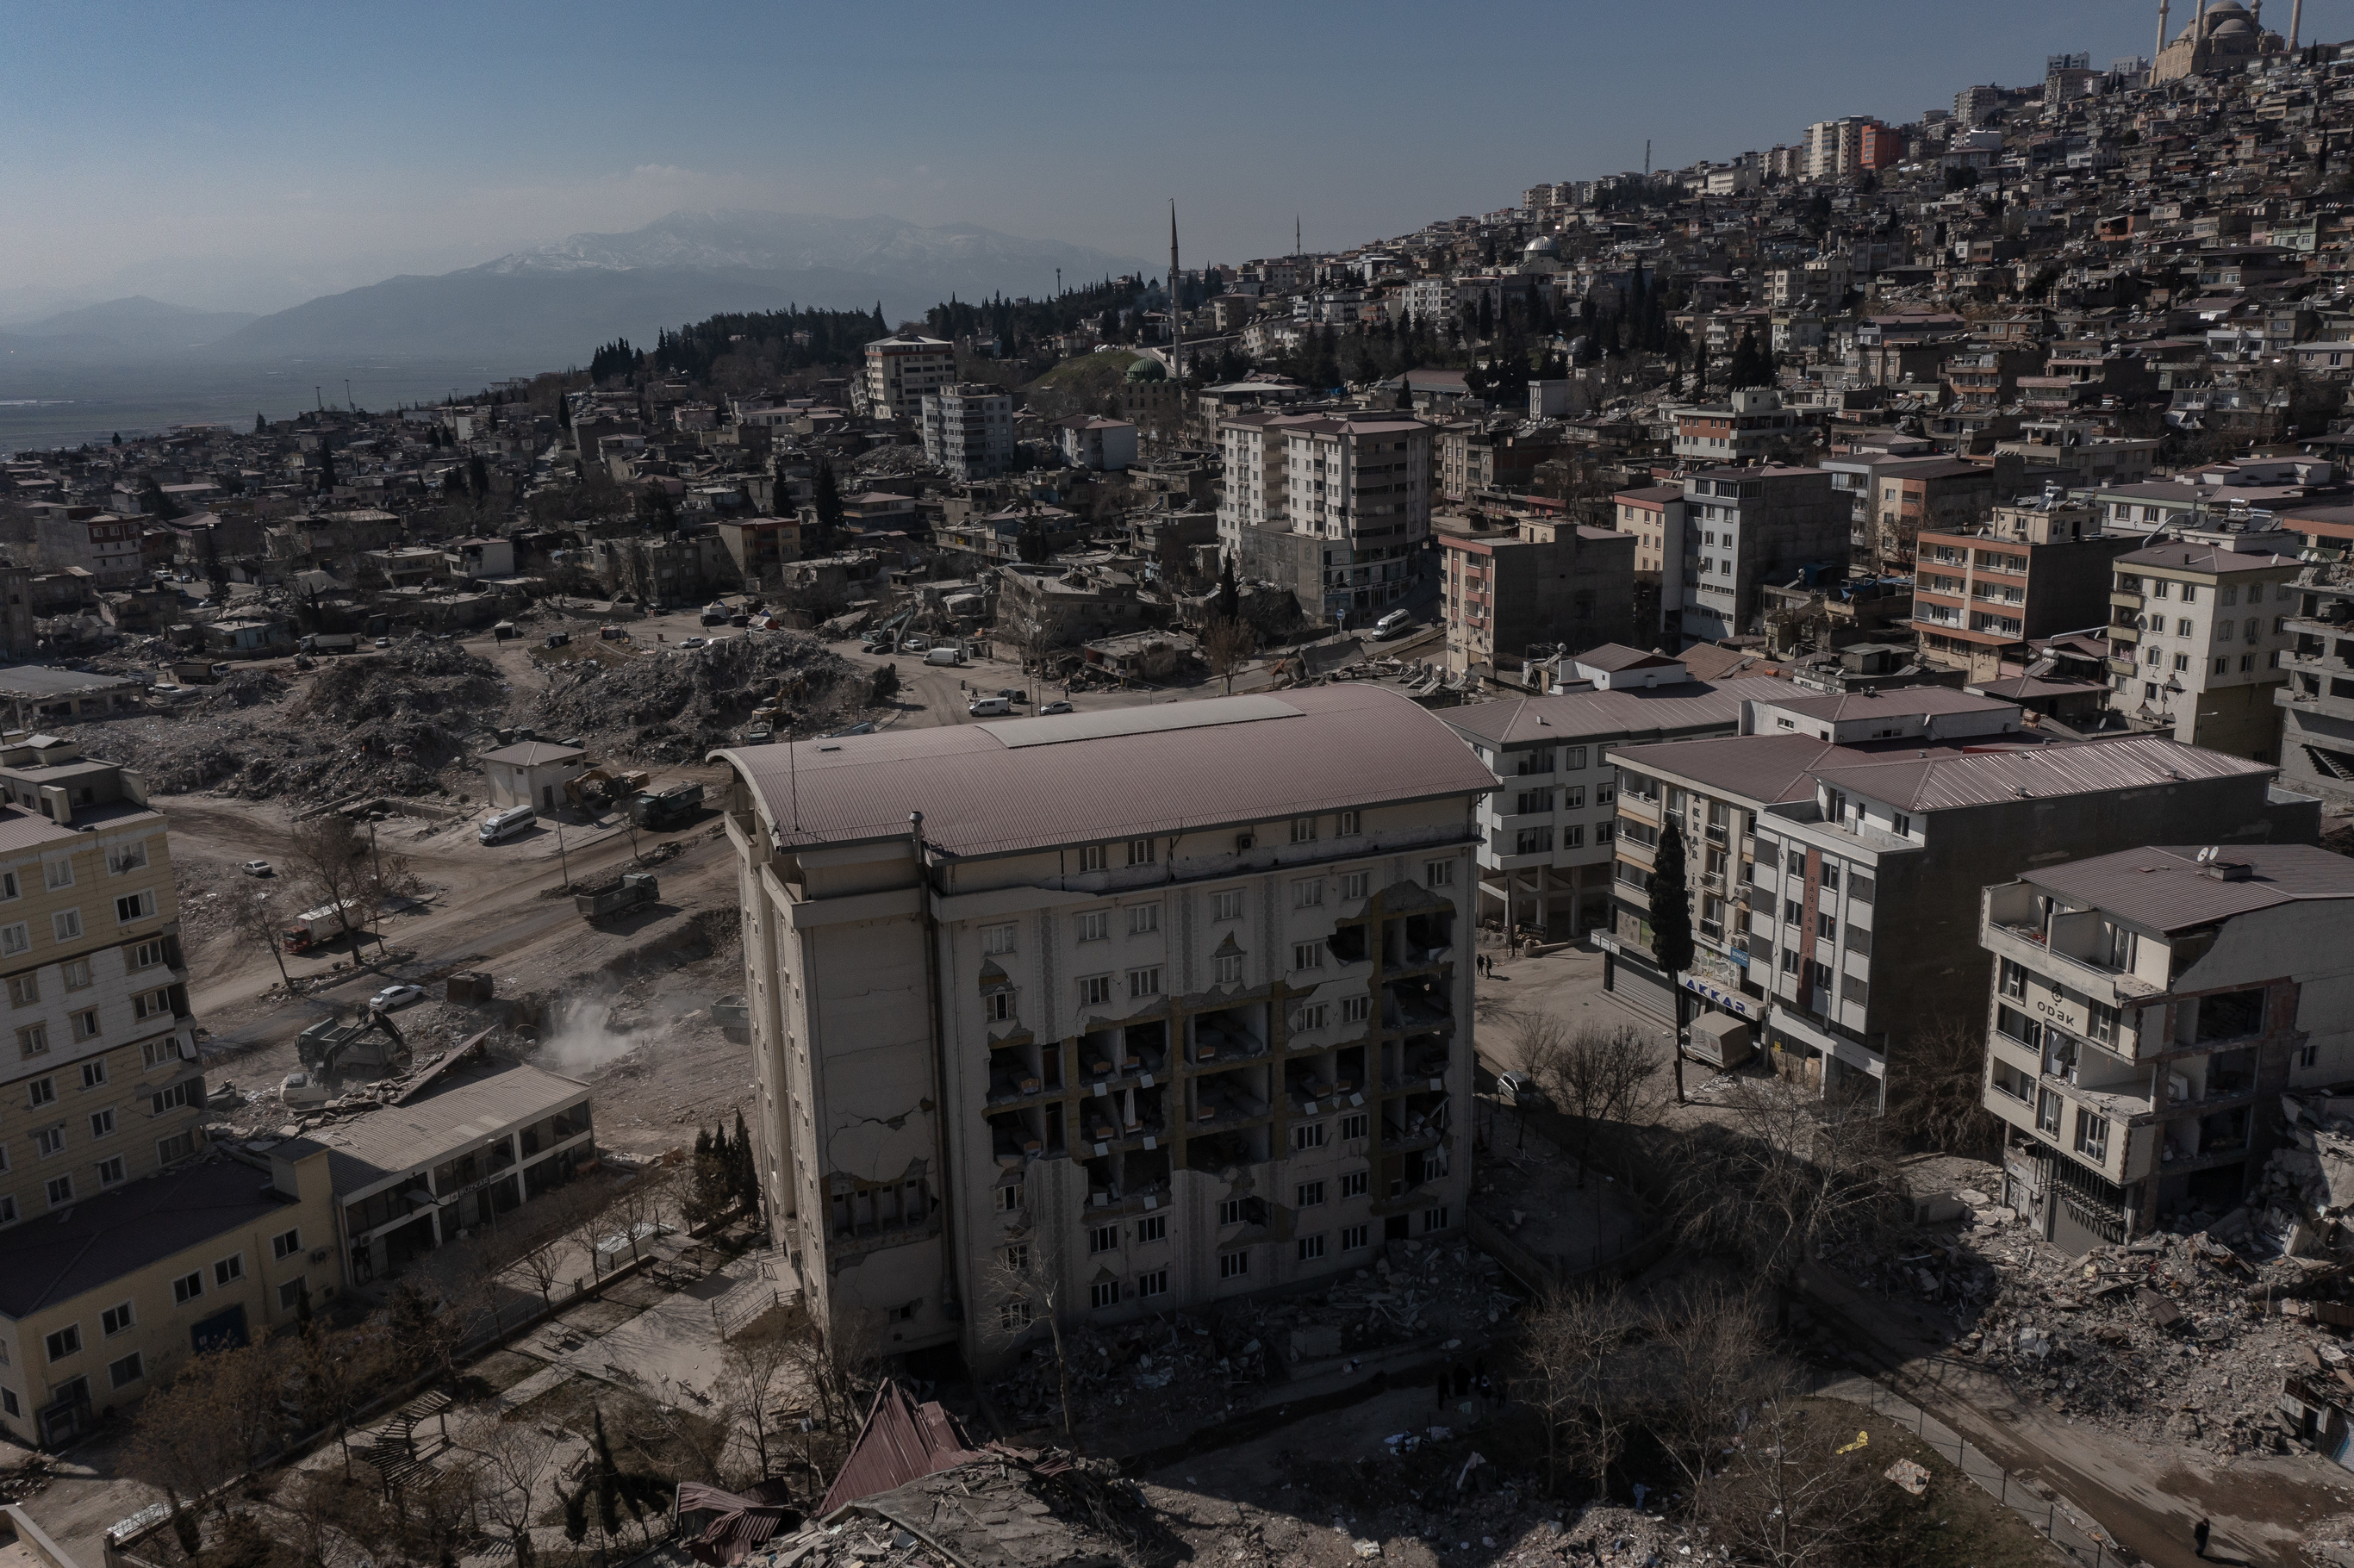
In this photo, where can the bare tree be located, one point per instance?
(1027, 1280)
(1706, 1366)
(336, 1372)
(1571, 1350)
(518, 1459)
(592, 1221)
(840, 1371)
(218, 1418)
(1937, 1095)
(1782, 1175)
(753, 1369)
(256, 924)
(1227, 642)
(1787, 1497)
(1599, 1077)
(330, 857)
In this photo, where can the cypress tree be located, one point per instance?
(1230, 598)
(1671, 926)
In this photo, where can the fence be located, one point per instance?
(2061, 1522)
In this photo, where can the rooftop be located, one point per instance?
(533, 754)
(462, 1105)
(2166, 889)
(1907, 702)
(1578, 715)
(2204, 559)
(37, 681)
(57, 1257)
(1031, 783)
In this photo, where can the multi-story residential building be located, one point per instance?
(1341, 517)
(1546, 832)
(1980, 595)
(2316, 700)
(105, 545)
(1836, 148)
(1825, 811)
(1142, 1016)
(1747, 426)
(1745, 525)
(1524, 582)
(899, 371)
(1430, 299)
(1655, 516)
(1909, 494)
(1097, 444)
(102, 1091)
(2146, 1006)
(1471, 459)
(2198, 627)
(968, 428)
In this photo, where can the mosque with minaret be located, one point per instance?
(2225, 35)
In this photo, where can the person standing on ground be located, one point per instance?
(2198, 1533)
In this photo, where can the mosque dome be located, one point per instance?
(1147, 368)
(1543, 245)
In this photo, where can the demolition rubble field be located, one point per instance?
(408, 720)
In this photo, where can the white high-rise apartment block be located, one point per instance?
(969, 430)
(899, 370)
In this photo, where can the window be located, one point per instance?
(58, 873)
(1092, 857)
(188, 1286)
(1860, 889)
(114, 1320)
(1356, 1009)
(1530, 801)
(1605, 832)
(49, 1141)
(2190, 596)
(2101, 1023)
(8, 888)
(1013, 1316)
(1103, 1293)
(1353, 1238)
(1434, 1218)
(1094, 990)
(1345, 826)
(127, 857)
(2223, 630)
(229, 1269)
(1230, 969)
(1901, 825)
(2047, 1112)
(23, 991)
(2092, 1135)
(2309, 1056)
(1854, 990)
(1309, 1136)
(1307, 955)
(1155, 1229)
(101, 1123)
(33, 1041)
(17, 938)
(1352, 1126)
(150, 1004)
(1143, 919)
(1307, 1194)
(1226, 906)
(66, 1341)
(171, 1097)
(1307, 893)
(110, 1170)
(1103, 1238)
(1830, 877)
(996, 939)
(1826, 927)
(85, 1023)
(1155, 1283)
(1144, 982)
(291, 1294)
(2014, 980)
(76, 974)
(1009, 1199)
(1533, 840)
(61, 1191)
(1304, 830)
(1310, 1248)
(146, 954)
(1789, 960)
(179, 1146)
(1355, 884)
(997, 1007)
(1793, 912)
(1233, 1265)
(66, 924)
(1141, 852)
(1315, 1015)
(167, 1049)
(1230, 1211)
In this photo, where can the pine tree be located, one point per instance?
(1230, 598)
(326, 470)
(261, 425)
(747, 1168)
(827, 503)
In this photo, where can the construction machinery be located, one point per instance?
(670, 808)
(618, 897)
(602, 786)
(331, 1048)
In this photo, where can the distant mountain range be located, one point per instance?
(548, 307)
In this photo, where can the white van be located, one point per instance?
(945, 653)
(990, 708)
(1393, 623)
(507, 824)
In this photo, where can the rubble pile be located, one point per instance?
(388, 724)
(2307, 1191)
(886, 461)
(675, 705)
(1194, 1363)
(2178, 1337)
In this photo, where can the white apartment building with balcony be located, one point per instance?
(1826, 811)
(2146, 1008)
(967, 429)
(898, 372)
(1163, 1006)
(2198, 628)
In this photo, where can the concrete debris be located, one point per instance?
(1196, 1363)
(670, 705)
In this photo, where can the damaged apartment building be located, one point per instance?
(2148, 1010)
(1111, 1015)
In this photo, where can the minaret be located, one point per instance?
(2161, 35)
(2295, 23)
(1176, 333)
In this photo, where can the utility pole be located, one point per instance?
(561, 858)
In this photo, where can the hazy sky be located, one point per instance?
(250, 155)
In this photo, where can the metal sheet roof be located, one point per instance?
(2166, 889)
(1591, 715)
(1347, 746)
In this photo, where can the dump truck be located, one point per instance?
(330, 642)
(668, 809)
(332, 1047)
(618, 897)
(324, 924)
